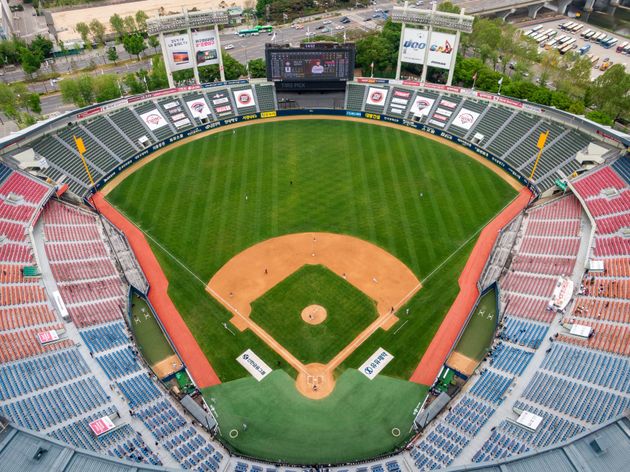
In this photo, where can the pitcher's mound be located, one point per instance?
(314, 314)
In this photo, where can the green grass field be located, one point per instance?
(149, 336)
(351, 178)
(479, 330)
(354, 422)
(349, 312)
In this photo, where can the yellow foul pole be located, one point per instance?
(81, 149)
(542, 139)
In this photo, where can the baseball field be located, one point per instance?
(204, 202)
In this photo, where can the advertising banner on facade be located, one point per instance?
(414, 45)
(153, 119)
(244, 98)
(465, 119)
(205, 48)
(102, 425)
(422, 106)
(441, 50)
(376, 96)
(180, 55)
(198, 108)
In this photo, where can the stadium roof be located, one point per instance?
(605, 448)
(27, 451)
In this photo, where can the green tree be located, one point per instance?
(134, 44)
(98, 31)
(33, 103)
(134, 85)
(600, 117)
(448, 7)
(257, 68)
(118, 25)
(610, 92)
(8, 101)
(141, 20)
(30, 61)
(233, 69)
(157, 78)
(154, 42)
(84, 30)
(42, 46)
(112, 54)
(106, 87)
(130, 25)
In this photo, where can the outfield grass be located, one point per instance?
(347, 177)
(354, 422)
(279, 312)
(479, 330)
(149, 336)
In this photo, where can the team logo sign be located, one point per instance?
(244, 98)
(153, 119)
(198, 108)
(465, 119)
(376, 96)
(422, 105)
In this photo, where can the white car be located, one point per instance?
(339, 27)
(298, 27)
(228, 47)
(326, 22)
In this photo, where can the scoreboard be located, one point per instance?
(314, 66)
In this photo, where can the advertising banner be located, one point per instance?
(244, 98)
(376, 96)
(377, 362)
(102, 425)
(414, 45)
(422, 106)
(254, 365)
(178, 53)
(198, 108)
(441, 50)
(153, 119)
(48, 336)
(465, 119)
(205, 48)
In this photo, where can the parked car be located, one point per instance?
(228, 47)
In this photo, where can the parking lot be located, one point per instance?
(596, 49)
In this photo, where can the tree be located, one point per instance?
(118, 25)
(232, 68)
(133, 84)
(33, 103)
(610, 92)
(154, 42)
(134, 44)
(141, 19)
(84, 30)
(600, 117)
(8, 101)
(257, 68)
(130, 24)
(42, 46)
(157, 78)
(30, 61)
(448, 7)
(98, 31)
(106, 87)
(112, 54)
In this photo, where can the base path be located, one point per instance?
(443, 341)
(191, 354)
(259, 268)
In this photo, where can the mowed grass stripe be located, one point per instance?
(350, 178)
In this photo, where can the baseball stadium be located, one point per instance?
(391, 276)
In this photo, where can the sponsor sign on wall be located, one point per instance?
(102, 425)
(465, 119)
(376, 363)
(205, 48)
(254, 365)
(153, 119)
(422, 106)
(198, 108)
(414, 45)
(48, 336)
(376, 96)
(180, 55)
(441, 50)
(244, 98)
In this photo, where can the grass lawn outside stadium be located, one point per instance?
(202, 203)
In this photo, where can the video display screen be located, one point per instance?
(310, 64)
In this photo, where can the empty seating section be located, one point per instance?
(126, 258)
(43, 410)
(551, 246)
(622, 167)
(529, 284)
(487, 126)
(491, 387)
(74, 271)
(183, 442)
(567, 208)
(559, 228)
(613, 224)
(110, 137)
(118, 363)
(523, 332)
(548, 265)
(126, 121)
(592, 184)
(103, 338)
(175, 113)
(524, 306)
(16, 253)
(527, 150)
(12, 231)
(617, 267)
(80, 233)
(266, 97)
(591, 366)
(24, 343)
(20, 378)
(16, 212)
(22, 316)
(607, 337)
(85, 292)
(510, 359)
(604, 309)
(33, 192)
(590, 404)
(5, 172)
(94, 152)
(355, 97)
(139, 390)
(518, 127)
(68, 251)
(21, 294)
(97, 312)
